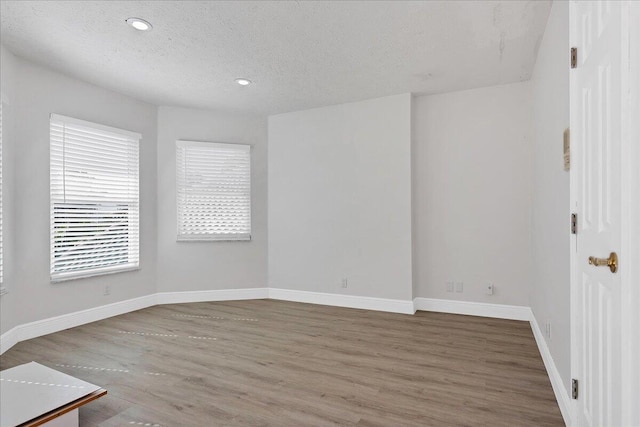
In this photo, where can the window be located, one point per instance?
(213, 191)
(94, 199)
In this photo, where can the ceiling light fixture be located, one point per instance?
(243, 82)
(139, 24)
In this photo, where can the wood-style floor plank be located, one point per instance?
(275, 363)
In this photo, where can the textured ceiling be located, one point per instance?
(299, 54)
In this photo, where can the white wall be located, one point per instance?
(187, 266)
(472, 193)
(8, 302)
(551, 207)
(340, 199)
(38, 92)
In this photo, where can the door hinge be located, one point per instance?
(574, 57)
(574, 388)
(574, 223)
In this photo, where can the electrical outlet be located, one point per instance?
(450, 286)
(547, 329)
(489, 289)
(344, 283)
(459, 287)
(107, 290)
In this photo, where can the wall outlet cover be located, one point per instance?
(547, 329)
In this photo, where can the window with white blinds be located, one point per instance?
(213, 191)
(95, 223)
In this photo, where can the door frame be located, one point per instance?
(630, 245)
(631, 227)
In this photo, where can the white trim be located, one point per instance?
(341, 300)
(97, 126)
(499, 311)
(83, 274)
(71, 320)
(512, 312)
(206, 144)
(59, 323)
(559, 388)
(8, 339)
(241, 237)
(630, 244)
(212, 295)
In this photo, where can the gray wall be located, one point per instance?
(340, 199)
(550, 293)
(36, 93)
(187, 266)
(10, 301)
(472, 194)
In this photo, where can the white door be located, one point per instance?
(599, 86)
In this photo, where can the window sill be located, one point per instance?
(86, 274)
(242, 238)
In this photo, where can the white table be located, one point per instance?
(34, 395)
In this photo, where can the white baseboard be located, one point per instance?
(8, 339)
(66, 321)
(71, 320)
(212, 295)
(559, 388)
(59, 323)
(512, 312)
(341, 300)
(499, 311)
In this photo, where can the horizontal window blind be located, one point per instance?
(94, 199)
(213, 191)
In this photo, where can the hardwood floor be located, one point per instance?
(275, 363)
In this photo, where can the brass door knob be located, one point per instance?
(611, 262)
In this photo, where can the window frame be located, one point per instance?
(133, 208)
(211, 237)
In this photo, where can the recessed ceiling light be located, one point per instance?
(139, 24)
(243, 82)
